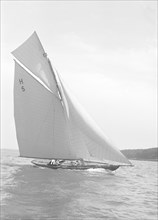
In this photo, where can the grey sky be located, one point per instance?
(106, 53)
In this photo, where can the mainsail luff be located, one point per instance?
(59, 92)
(66, 131)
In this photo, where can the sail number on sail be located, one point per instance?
(21, 82)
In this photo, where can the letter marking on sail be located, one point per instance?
(22, 82)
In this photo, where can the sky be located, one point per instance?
(106, 53)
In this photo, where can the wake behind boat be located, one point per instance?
(50, 123)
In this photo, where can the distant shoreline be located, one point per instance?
(149, 154)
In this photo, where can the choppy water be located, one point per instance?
(29, 192)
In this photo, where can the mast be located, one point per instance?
(55, 79)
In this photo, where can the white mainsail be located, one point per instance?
(46, 125)
(40, 121)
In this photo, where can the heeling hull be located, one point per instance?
(78, 167)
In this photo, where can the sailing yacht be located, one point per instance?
(50, 123)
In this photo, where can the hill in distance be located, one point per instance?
(150, 154)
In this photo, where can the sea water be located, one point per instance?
(30, 192)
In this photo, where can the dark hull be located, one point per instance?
(79, 167)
